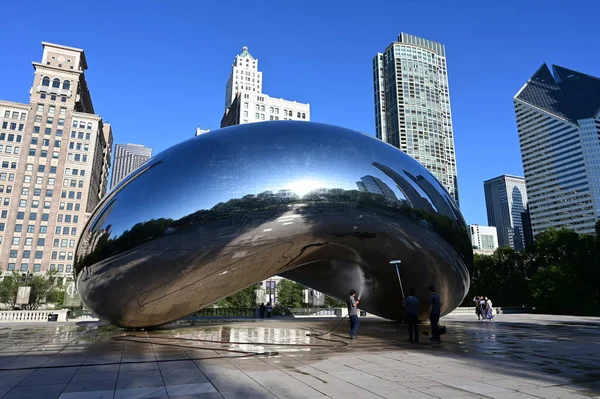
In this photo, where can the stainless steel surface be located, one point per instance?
(322, 205)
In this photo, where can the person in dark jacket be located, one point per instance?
(412, 310)
(262, 309)
(434, 314)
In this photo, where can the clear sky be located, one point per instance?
(158, 69)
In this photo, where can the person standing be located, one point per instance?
(477, 301)
(262, 310)
(269, 309)
(412, 310)
(483, 306)
(489, 309)
(434, 314)
(353, 313)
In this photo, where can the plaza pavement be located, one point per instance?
(516, 356)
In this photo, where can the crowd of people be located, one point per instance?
(483, 308)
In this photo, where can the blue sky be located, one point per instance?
(158, 69)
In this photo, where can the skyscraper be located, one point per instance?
(246, 103)
(506, 200)
(412, 105)
(558, 119)
(484, 238)
(55, 157)
(128, 157)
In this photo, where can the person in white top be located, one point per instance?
(489, 310)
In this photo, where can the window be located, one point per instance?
(66, 85)
(36, 129)
(22, 203)
(73, 231)
(16, 240)
(71, 243)
(31, 228)
(28, 241)
(29, 167)
(13, 253)
(65, 230)
(89, 125)
(24, 267)
(51, 181)
(41, 242)
(20, 215)
(257, 107)
(45, 216)
(60, 268)
(2, 226)
(69, 268)
(37, 192)
(74, 125)
(56, 83)
(45, 81)
(48, 131)
(37, 267)
(27, 254)
(43, 229)
(51, 109)
(32, 216)
(10, 267)
(39, 254)
(57, 143)
(39, 180)
(49, 193)
(52, 265)
(46, 205)
(35, 204)
(40, 108)
(262, 108)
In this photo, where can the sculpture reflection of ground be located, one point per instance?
(518, 356)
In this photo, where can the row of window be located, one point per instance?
(37, 192)
(26, 254)
(66, 84)
(37, 267)
(77, 157)
(66, 230)
(44, 153)
(34, 204)
(49, 121)
(6, 164)
(15, 115)
(9, 149)
(67, 218)
(80, 135)
(30, 229)
(11, 137)
(47, 131)
(74, 172)
(39, 180)
(63, 99)
(82, 124)
(79, 146)
(63, 243)
(13, 126)
(71, 194)
(40, 169)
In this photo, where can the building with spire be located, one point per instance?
(412, 105)
(558, 119)
(55, 156)
(245, 101)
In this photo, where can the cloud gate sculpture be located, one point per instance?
(324, 206)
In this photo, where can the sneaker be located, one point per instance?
(353, 337)
(409, 340)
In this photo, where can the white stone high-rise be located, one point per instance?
(128, 157)
(558, 119)
(245, 101)
(412, 105)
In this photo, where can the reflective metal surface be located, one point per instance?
(322, 205)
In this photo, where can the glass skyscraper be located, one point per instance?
(506, 201)
(558, 119)
(412, 105)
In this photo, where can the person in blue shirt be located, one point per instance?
(412, 310)
(353, 313)
(434, 314)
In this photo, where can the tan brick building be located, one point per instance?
(54, 162)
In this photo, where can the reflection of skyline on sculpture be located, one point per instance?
(325, 203)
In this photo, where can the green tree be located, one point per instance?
(43, 289)
(9, 287)
(245, 298)
(289, 294)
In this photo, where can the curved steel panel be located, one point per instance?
(322, 205)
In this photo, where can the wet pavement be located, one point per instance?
(516, 356)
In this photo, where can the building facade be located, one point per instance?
(55, 155)
(246, 103)
(558, 120)
(200, 131)
(484, 238)
(412, 105)
(505, 201)
(128, 157)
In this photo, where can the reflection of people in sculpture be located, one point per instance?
(262, 310)
(434, 314)
(353, 313)
(269, 310)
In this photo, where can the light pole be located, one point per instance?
(396, 263)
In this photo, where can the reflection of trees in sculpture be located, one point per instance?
(268, 205)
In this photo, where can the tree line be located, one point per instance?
(559, 274)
